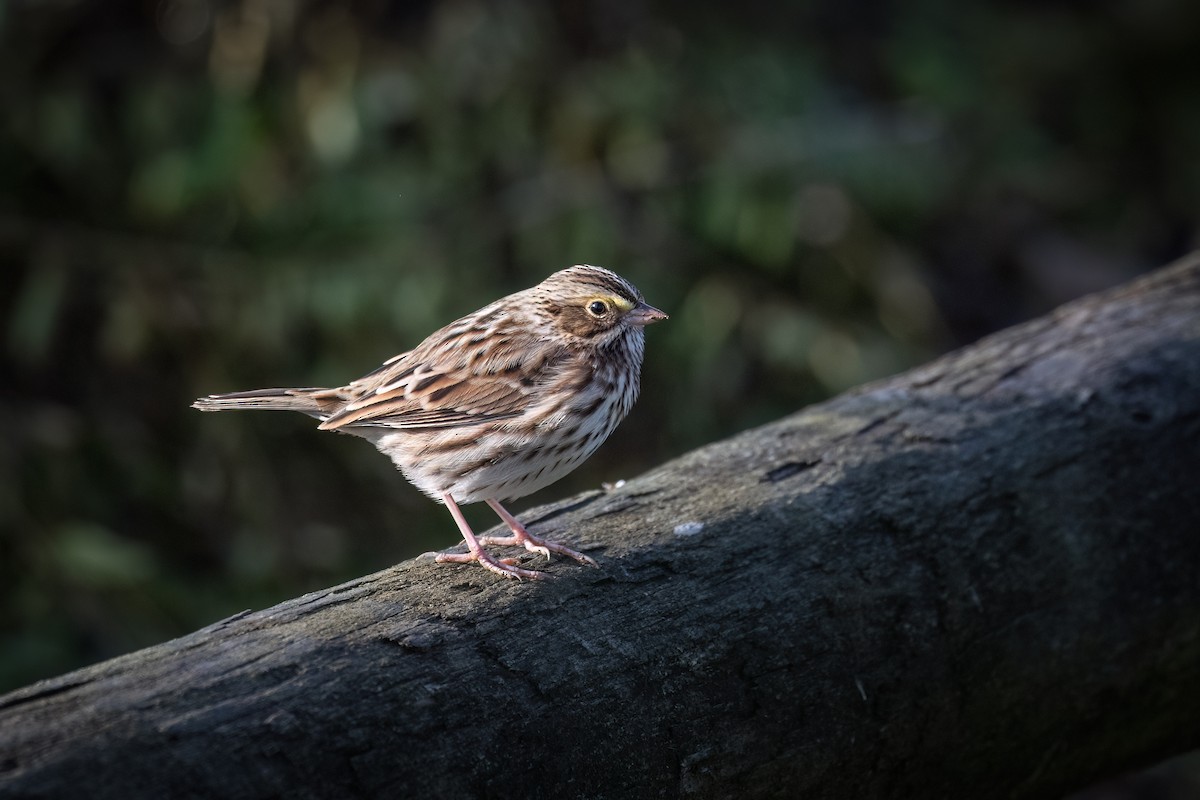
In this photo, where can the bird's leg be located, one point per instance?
(522, 536)
(477, 553)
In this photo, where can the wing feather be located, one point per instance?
(462, 375)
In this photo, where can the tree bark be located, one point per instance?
(978, 579)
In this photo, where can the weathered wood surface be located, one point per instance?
(978, 579)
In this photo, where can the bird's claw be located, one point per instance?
(501, 566)
(535, 544)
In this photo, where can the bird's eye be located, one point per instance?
(597, 308)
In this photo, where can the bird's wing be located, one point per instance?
(451, 380)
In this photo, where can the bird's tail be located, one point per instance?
(319, 403)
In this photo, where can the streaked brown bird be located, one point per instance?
(495, 405)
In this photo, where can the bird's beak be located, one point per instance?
(642, 315)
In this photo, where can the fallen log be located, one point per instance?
(977, 579)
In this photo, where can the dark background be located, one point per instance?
(207, 196)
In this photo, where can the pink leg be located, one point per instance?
(522, 536)
(477, 553)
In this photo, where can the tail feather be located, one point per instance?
(315, 402)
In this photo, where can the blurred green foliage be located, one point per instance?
(199, 196)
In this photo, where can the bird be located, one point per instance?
(495, 405)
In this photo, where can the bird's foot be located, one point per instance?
(501, 566)
(535, 544)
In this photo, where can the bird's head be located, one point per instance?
(594, 306)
